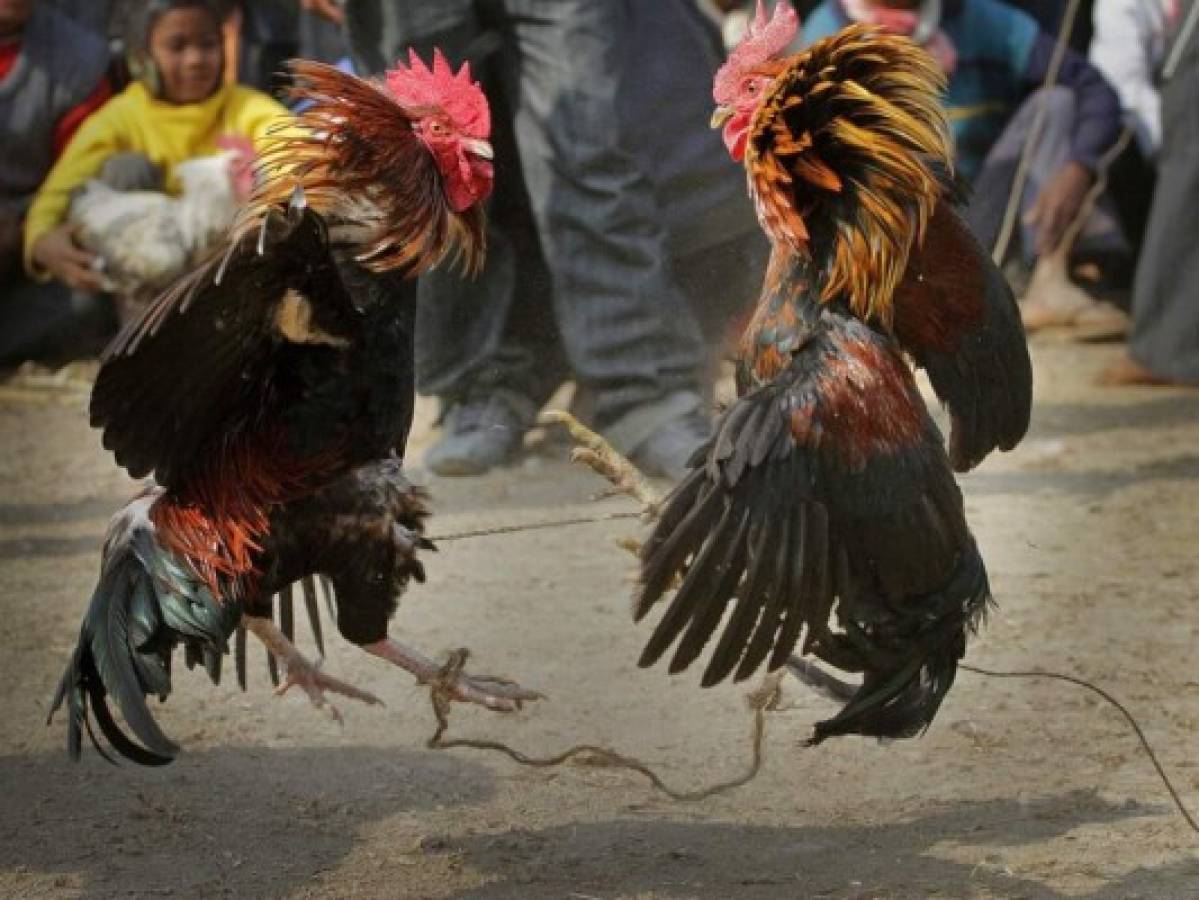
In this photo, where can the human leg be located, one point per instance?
(48, 322)
(479, 352)
(629, 333)
(1165, 315)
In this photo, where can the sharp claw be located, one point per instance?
(309, 677)
(504, 687)
(497, 694)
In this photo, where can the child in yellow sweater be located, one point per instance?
(176, 110)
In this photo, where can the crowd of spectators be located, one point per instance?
(623, 248)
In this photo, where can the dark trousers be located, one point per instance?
(626, 328)
(1165, 295)
(48, 322)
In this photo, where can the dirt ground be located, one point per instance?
(1020, 789)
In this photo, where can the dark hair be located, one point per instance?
(140, 26)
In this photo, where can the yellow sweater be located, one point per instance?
(167, 133)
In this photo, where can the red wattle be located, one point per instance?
(736, 135)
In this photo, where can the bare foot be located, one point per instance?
(1102, 322)
(1127, 371)
(1054, 301)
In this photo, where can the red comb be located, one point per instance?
(764, 39)
(453, 92)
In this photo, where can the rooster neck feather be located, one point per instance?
(848, 155)
(359, 162)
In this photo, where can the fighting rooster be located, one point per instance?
(825, 507)
(270, 394)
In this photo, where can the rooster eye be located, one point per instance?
(438, 128)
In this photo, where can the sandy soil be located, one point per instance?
(1020, 789)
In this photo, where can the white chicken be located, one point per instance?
(145, 239)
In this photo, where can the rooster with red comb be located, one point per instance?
(270, 394)
(825, 512)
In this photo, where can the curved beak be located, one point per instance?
(479, 148)
(720, 115)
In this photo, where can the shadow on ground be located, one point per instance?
(724, 860)
(1084, 484)
(53, 547)
(230, 822)
(1074, 419)
(57, 512)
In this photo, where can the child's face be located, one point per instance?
(185, 45)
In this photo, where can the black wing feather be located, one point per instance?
(186, 373)
(980, 370)
(863, 548)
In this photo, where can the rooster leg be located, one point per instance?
(815, 677)
(301, 672)
(496, 694)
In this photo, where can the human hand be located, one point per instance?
(1058, 204)
(329, 9)
(57, 252)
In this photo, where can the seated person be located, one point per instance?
(44, 96)
(177, 109)
(995, 56)
(1129, 48)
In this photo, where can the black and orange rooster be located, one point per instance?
(825, 508)
(270, 393)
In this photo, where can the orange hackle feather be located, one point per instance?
(847, 158)
(355, 140)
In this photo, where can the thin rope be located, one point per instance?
(1081, 682)
(760, 701)
(1102, 174)
(532, 526)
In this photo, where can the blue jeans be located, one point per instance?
(592, 272)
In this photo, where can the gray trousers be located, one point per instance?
(1165, 294)
(626, 329)
(992, 187)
